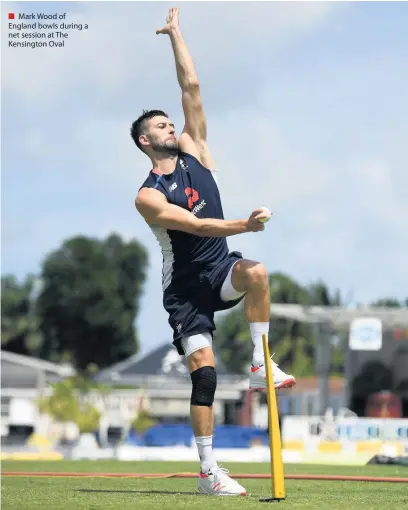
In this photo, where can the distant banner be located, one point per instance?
(365, 334)
(344, 429)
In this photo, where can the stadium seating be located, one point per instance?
(225, 436)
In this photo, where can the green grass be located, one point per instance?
(139, 494)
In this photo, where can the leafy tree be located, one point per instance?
(388, 303)
(142, 422)
(19, 321)
(90, 299)
(62, 404)
(87, 418)
(65, 404)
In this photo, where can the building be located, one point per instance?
(164, 378)
(23, 380)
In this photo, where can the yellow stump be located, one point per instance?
(277, 473)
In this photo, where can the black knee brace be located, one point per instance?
(204, 384)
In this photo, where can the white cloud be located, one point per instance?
(120, 46)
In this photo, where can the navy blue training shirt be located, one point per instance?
(192, 187)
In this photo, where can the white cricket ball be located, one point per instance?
(268, 215)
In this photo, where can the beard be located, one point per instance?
(170, 147)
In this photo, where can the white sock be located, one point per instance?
(206, 453)
(257, 330)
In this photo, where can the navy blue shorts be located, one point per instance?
(191, 304)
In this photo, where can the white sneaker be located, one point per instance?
(217, 483)
(257, 379)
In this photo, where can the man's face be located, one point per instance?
(161, 135)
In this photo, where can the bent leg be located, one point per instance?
(250, 277)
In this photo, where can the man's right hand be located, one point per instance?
(253, 224)
(172, 22)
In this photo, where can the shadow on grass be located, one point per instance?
(114, 491)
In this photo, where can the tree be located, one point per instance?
(19, 321)
(388, 303)
(90, 299)
(68, 402)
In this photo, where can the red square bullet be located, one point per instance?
(11, 15)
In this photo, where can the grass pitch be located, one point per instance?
(49, 493)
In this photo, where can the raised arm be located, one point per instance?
(155, 209)
(193, 139)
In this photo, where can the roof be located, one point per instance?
(340, 317)
(163, 363)
(36, 363)
(19, 371)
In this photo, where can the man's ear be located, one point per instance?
(144, 140)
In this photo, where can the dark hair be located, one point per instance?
(139, 125)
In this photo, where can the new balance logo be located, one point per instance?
(173, 187)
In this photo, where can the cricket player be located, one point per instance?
(180, 201)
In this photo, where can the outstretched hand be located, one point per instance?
(172, 22)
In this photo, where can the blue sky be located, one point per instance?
(307, 114)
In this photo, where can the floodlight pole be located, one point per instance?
(322, 333)
(347, 373)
